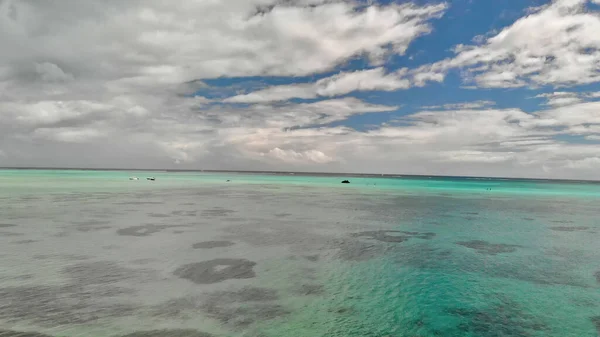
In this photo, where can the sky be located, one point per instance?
(463, 87)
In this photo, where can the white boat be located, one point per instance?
(134, 178)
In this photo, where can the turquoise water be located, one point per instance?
(91, 253)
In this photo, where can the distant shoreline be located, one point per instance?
(308, 174)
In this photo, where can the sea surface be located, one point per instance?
(92, 253)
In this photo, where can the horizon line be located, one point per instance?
(307, 173)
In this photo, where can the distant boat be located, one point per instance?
(134, 178)
(151, 178)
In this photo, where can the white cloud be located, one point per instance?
(561, 98)
(54, 112)
(586, 163)
(47, 114)
(374, 79)
(293, 115)
(366, 80)
(594, 95)
(467, 141)
(566, 51)
(339, 84)
(50, 72)
(575, 118)
(471, 156)
(423, 75)
(135, 43)
(95, 85)
(478, 142)
(460, 106)
(67, 134)
(295, 157)
(564, 98)
(276, 93)
(114, 78)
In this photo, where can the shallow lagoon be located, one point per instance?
(90, 253)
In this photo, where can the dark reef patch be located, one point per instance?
(144, 230)
(342, 310)
(62, 234)
(241, 316)
(23, 277)
(69, 257)
(179, 308)
(10, 234)
(184, 213)
(569, 228)
(596, 322)
(25, 242)
(537, 270)
(139, 203)
(212, 244)
(597, 274)
(422, 256)
(502, 320)
(217, 270)
(12, 333)
(393, 235)
(312, 258)
(169, 333)
(158, 215)
(562, 221)
(358, 251)
(246, 294)
(309, 290)
(584, 302)
(29, 198)
(217, 211)
(50, 306)
(237, 308)
(91, 223)
(92, 229)
(143, 261)
(484, 247)
(99, 273)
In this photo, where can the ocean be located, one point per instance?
(92, 253)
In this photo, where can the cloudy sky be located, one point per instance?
(463, 87)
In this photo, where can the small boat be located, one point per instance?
(151, 178)
(134, 178)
